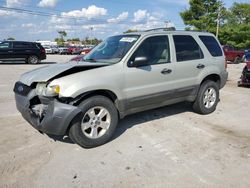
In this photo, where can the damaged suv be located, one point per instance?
(123, 75)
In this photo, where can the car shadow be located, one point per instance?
(138, 118)
(64, 139)
(151, 115)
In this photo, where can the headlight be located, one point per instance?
(46, 90)
(52, 91)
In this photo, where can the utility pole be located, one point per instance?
(218, 22)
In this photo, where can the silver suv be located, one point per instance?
(123, 75)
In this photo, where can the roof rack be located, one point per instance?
(161, 29)
(171, 29)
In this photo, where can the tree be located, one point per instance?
(239, 13)
(130, 31)
(62, 34)
(11, 38)
(236, 31)
(202, 15)
(59, 41)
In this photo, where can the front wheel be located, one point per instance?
(97, 123)
(207, 98)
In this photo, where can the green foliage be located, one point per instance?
(236, 35)
(130, 31)
(202, 15)
(234, 23)
(59, 41)
(11, 38)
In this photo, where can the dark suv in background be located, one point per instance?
(30, 52)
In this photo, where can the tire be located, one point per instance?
(97, 123)
(237, 60)
(207, 98)
(33, 60)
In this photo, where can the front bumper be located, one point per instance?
(56, 118)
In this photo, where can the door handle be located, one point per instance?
(200, 66)
(10, 51)
(166, 71)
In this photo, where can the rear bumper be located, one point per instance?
(42, 56)
(224, 76)
(56, 119)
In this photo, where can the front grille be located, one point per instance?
(22, 89)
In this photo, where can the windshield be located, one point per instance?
(113, 49)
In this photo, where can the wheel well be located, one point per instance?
(213, 77)
(107, 93)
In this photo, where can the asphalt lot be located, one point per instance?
(166, 147)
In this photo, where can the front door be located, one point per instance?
(6, 51)
(151, 84)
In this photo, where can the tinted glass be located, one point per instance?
(212, 45)
(21, 45)
(4, 45)
(156, 49)
(113, 49)
(187, 48)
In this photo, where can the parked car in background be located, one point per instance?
(30, 52)
(233, 55)
(77, 58)
(55, 49)
(63, 50)
(48, 50)
(73, 50)
(85, 51)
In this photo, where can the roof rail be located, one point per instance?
(161, 29)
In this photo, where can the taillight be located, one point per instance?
(42, 50)
(225, 64)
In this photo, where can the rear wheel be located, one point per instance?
(207, 98)
(96, 124)
(32, 59)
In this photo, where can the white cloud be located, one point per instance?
(94, 27)
(89, 13)
(4, 13)
(121, 17)
(12, 3)
(47, 3)
(28, 25)
(140, 15)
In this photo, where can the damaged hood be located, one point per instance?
(49, 72)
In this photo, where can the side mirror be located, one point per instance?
(139, 62)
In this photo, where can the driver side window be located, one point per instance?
(5, 45)
(155, 49)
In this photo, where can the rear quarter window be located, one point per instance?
(212, 45)
(187, 48)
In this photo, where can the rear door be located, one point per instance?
(190, 63)
(6, 50)
(22, 49)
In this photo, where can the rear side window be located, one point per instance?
(212, 45)
(21, 45)
(187, 48)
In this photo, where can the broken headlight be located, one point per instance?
(46, 90)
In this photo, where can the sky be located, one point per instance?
(82, 18)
